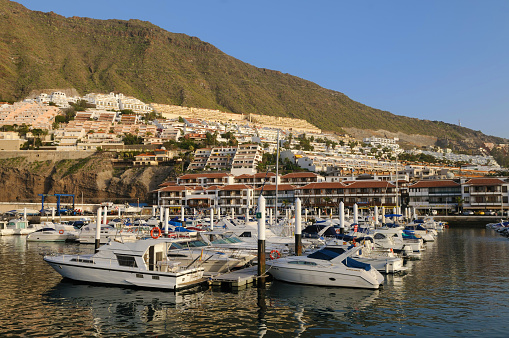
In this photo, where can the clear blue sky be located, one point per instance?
(444, 60)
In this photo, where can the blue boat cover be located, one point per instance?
(352, 263)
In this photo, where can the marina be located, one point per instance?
(459, 280)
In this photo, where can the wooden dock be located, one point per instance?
(237, 279)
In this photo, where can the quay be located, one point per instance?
(236, 280)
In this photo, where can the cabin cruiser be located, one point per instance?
(384, 260)
(88, 232)
(417, 229)
(393, 238)
(140, 264)
(213, 260)
(248, 232)
(328, 266)
(53, 232)
(17, 226)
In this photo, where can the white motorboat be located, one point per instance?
(87, 235)
(248, 232)
(213, 260)
(327, 267)
(417, 229)
(140, 264)
(18, 226)
(53, 232)
(384, 260)
(392, 238)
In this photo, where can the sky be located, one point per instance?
(444, 60)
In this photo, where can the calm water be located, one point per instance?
(460, 288)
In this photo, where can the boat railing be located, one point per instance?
(161, 266)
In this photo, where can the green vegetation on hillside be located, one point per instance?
(44, 50)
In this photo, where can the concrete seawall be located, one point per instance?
(468, 221)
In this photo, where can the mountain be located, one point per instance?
(45, 50)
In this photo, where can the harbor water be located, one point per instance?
(460, 288)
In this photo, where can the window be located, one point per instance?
(466, 190)
(124, 260)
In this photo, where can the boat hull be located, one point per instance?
(347, 277)
(123, 276)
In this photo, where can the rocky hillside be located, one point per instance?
(44, 50)
(94, 176)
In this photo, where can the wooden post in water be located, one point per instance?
(98, 229)
(298, 227)
(261, 240)
(376, 216)
(182, 218)
(383, 215)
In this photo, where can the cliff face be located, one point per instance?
(94, 177)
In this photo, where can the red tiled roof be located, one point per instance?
(168, 183)
(235, 187)
(323, 185)
(175, 188)
(485, 181)
(257, 175)
(299, 175)
(272, 187)
(209, 175)
(434, 184)
(370, 184)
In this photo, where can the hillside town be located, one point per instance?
(236, 142)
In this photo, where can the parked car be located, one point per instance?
(468, 212)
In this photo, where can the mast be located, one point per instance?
(277, 177)
(397, 192)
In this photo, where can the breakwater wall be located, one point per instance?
(468, 221)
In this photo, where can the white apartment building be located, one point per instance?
(31, 114)
(246, 159)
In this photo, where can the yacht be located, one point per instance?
(384, 260)
(393, 238)
(417, 229)
(141, 264)
(214, 260)
(327, 267)
(17, 226)
(87, 234)
(51, 232)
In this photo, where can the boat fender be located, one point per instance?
(61, 232)
(274, 254)
(152, 233)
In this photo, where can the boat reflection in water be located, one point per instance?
(122, 310)
(317, 306)
(321, 298)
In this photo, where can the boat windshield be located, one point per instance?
(175, 246)
(326, 254)
(195, 244)
(219, 241)
(46, 229)
(233, 240)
